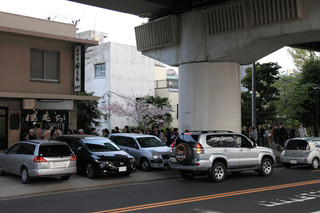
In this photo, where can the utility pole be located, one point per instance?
(253, 106)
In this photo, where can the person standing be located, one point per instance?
(253, 135)
(282, 135)
(38, 132)
(260, 135)
(302, 131)
(126, 129)
(46, 135)
(245, 131)
(275, 134)
(94, 131)
(266, 137)
(168, 135)
(292, 132)
(56, 133)
(32, 135)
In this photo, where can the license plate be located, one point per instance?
(293, 161)
(59, 164)
(122, 169)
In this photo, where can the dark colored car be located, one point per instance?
(99, 155)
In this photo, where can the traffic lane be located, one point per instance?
(149, 193)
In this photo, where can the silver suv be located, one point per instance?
(218, 152)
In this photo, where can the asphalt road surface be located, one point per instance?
(287, 190)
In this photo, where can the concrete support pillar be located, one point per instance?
(209, 96)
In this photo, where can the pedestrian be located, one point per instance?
(46, 135)
(175, 134)
(302, 131)
(253, 135)
(267, 137)
(154, 131)
(168, 135)
(38, 132)
(32, 135)
(116, 130)
(282, 134)
(245, 131)
(260, 135)
(80, 132)
(24, 136)
(94, 131)
(275, 134)
(146, 131)
(105, 132)
(162, 136)
(126, 129)
(292, 132)
(69, 132)
(56, 133)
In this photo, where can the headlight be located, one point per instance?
(101, 161)
(156, 156)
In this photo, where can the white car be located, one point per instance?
(301, 151)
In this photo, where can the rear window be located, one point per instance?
(150, 142)
(100, 145)
(296, 145)
(54, 150)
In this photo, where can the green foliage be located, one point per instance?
(87, 113)
(300, 56)
(266, 94)
(160, 102)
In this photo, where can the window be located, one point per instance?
(44, 65)
(100, 70)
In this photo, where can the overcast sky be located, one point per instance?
(119, 26)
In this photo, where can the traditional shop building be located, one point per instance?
(42, 72)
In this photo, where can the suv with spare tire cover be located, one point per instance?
(218, 152)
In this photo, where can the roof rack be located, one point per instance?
(207, 131)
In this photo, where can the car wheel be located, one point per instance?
(315, 163)
(218, 172)
(65, 177)
(187, 175)
(266, 167)
(1, 171)
(90, 171)
(287, 165)
(184, 153)
(145, 166)
(25, 176)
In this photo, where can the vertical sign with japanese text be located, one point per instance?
(78, 85)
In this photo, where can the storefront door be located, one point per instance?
(3, 128)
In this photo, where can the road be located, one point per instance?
(287, 190)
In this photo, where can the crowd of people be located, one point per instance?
(36, 133)
(278, 134)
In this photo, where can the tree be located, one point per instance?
(160, 102)
(88, 114)
(266, 94)
(300, 56)
(138, 109)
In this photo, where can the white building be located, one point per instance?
(114, 70)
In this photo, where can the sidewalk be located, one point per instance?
(11, 186)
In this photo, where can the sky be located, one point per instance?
(118, 26)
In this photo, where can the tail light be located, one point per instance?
(73, 158)
(199, 149)
(172, 145)
(38, 159)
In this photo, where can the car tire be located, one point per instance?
(90, 171)
(25, 179)
(287, 165)
(145, 166)
(314, 163)
(67, 177)
(218, 172)
(1, 171)
(266, 167)
(184, 153)
(187, 175)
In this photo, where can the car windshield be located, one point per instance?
(150, 142)
(100, 145)
(54, 150)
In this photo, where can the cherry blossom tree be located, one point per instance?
(138, 109)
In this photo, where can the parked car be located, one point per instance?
(215, 153)
(148, 150)
(99, 155)
(301, 151)
(38, 158)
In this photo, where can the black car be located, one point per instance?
(98, 155)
